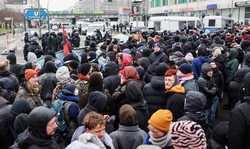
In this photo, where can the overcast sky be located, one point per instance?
(58, 4)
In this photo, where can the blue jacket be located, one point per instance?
(196, 65)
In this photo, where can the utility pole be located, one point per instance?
(39, 14)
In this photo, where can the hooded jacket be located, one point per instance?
(96, 102)
(135, 98)
(36, 134)
(7, 137)
(232, 65)
(194, 108)
(9, 83)
(207, 85)
(112, 80)
(48, 82)
(154, 94)
(196, 65)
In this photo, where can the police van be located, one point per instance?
(173, 23)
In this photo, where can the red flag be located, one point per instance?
(67, 45)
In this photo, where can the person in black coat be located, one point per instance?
(15, 68)
(8, 82)
(154, 91)
(135, 98)
(239, 128)
(7, 137)
(194, 108)
(96, 102)
(41, 127)
(48, 82)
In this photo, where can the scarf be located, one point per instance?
(161, 142)
(83, 77)
(186, 78)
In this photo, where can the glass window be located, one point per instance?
(157, 25)
(165, 2)
(182, 1)
(191, 24)
(182, 25)
(157, 3)
(152, 3)
(211, 22)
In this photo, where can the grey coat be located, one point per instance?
(128, 137)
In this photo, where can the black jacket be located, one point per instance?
(239, 126)
(154, 94)
(9, 84)
(7, 136)
(135, 98)
(35, 137)
(48, 83)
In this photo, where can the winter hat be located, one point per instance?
(127, 115)
(72, 110)
(205, 68)
(161, 120)
(91, 55)
(29, 73)
(185, 68)
(20, 106)
(187, 134)
(84, 68)
(32, 58)
(38, 120)
(195, 101)
(69, 58)
(98, 100)
(70, 90)
(160, 69)
(50, 67)
(62, 74)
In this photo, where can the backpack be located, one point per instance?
(59, 107)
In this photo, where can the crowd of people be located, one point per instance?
(179, 90)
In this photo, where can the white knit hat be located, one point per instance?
(62, 74)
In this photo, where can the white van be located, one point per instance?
(173, 23)
(214, 23)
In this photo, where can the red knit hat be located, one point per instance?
(29, 73)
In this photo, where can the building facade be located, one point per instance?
(239, 10)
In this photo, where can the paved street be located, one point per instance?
(15, 42)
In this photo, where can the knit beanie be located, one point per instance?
(188, 134)
(185, 68)
(29, 73)
(62, 74)
(72, 110)
(70, 90)
(20, 106)
(161, 120)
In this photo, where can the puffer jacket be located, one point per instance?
(154, 94)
